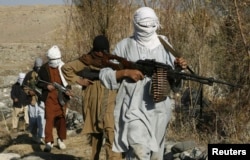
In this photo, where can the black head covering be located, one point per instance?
(101, 43)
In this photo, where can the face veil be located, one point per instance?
(54, 56)
(145, 25)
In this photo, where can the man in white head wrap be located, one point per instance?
(20, 103)
(20, 78)
(54, 56)
(145, 25)
(55, 105)
(140, 123)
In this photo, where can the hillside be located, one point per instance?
(30, 24)
(26, 33)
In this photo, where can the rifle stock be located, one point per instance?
(90, 74)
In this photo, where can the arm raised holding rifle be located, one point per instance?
(139, 66)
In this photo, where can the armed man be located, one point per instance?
(55, 110)
(140, 121)
(20, 103)
(36, 106)
(98, 101)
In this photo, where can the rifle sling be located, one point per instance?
(168, 47)
(174, 52)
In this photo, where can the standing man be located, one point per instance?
(98, 101)
(35, 107)
(20, 103)
(140, 122)
(55, 100)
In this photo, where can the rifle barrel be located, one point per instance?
(200, 79)
(44, 81)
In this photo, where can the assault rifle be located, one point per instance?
(36, 90)
(29, 84)
(91, 74)
(61, 91)
(164, 77)
(151, 65)
(148, 67)
(59, 87)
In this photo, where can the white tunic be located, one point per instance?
(138, 120)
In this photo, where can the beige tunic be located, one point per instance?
(98, 102)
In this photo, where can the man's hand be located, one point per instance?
(181, 62)
(31, 92)
(133, 74)
(69, 93)
(84, 82)
(15, 100)
(50, 87)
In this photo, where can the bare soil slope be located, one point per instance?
(26, 33)
(30, 24)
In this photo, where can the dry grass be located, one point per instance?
(220, 123)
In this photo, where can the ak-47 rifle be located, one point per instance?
(91, 74)
(56, 85)
(61, 91)
(36, 90)
(161, 73)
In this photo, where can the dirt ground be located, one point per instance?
(26, 32)
(78, 147)
(30, 24)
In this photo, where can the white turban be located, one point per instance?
(54, 56)
(145, 24)
(146, 16)
(20, 78)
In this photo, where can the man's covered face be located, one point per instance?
(20, 78)
(37, 68)
(145, 25)
(38, 64)
(145, 21)
(54, 63)
(54, 56)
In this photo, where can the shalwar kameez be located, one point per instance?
(140, 123)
